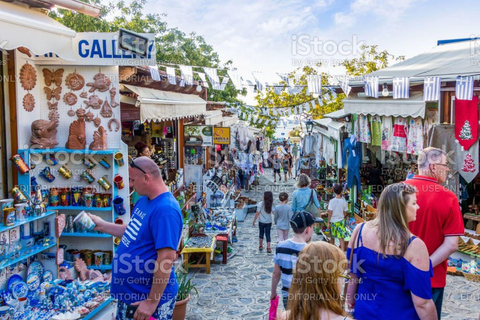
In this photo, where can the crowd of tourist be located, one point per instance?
(395, 265)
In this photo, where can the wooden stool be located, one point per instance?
(224, 240)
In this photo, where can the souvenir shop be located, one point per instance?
(155, 116)
(249, 152)
(321, 154)
(400, 128)
(68, 160)
(382, 146)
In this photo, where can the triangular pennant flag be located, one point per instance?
(213, 77)
(237, 82)
(333, 93)
(154, 73)
(187, 74)
(320, 102)
(401, 88)
(171, 75)
(224, 83)
(314, 83)
(344, 85)
(312, 105)
(371, 86)
(203, 79)
(467, 161)
(464, 88)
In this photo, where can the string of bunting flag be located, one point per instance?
(401, 87)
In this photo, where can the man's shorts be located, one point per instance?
(338, 230)
(276, 171)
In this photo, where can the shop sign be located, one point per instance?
(198, 135)
(221, 135)
(102, 49)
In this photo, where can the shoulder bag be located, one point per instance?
(311, 207)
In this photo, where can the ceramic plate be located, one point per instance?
(33, 281)
(48, 276)
(19, 290)
(14, 278)
(36, 267)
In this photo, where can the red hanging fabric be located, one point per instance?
(466, 122)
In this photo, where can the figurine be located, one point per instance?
(44, 133)
(99, 139)
(76, 135)
(85, 273)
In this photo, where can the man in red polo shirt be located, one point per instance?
(439, 219)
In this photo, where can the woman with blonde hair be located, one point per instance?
(391, 269)
(315, 292)
(305, 196)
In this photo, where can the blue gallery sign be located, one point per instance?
(92, 48)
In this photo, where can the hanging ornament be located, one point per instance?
(94, 102)
(70, 98)
(84, 95)
(89, 116)
(97, 121)
(107, 111)
(28, 77)
(75, 81)
(113, 92)
(114, 120)
(70, 112)
(28, 102)
(52, 105)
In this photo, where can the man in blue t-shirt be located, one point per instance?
(142, 273)
(286, 253)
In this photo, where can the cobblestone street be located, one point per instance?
(241, 288)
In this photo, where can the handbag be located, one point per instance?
(311, 207)
(347, 271)
(272, 312)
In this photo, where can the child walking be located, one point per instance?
(337, 212)
(283, 214)
(265, 212)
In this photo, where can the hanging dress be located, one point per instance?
(376, 131)
(387, 131)
(399, 141)
(364, 127)
(415, 136)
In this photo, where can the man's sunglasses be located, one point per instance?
(133, 165)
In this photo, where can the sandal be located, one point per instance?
(260, 248)
(269, 250)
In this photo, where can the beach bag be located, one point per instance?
(311, 207)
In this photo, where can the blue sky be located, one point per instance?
(257, 35)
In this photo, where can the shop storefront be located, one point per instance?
(68, 158)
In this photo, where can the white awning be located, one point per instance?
(23, 27)
(336, 114)
(164, 105)
(413, 107)
(213, 117)
(230, 121)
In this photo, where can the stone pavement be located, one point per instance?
(241, 288)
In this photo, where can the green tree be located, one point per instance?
(173, 46)
(370, 60)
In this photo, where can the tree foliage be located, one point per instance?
(173, 45)
(370, 60)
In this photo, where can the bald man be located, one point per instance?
(143, 278)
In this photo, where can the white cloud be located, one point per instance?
(344, 19)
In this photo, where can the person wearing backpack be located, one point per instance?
(305, 198)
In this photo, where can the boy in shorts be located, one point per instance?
(337, 212)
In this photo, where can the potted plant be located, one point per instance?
(185, 285)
